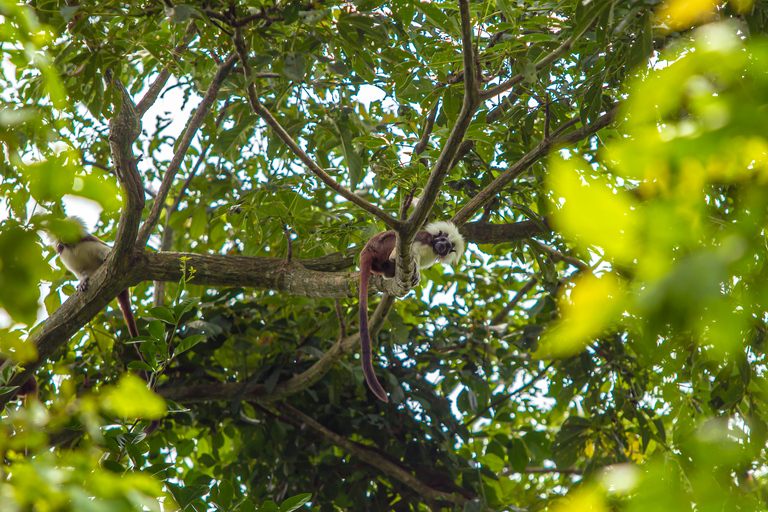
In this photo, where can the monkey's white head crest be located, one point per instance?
(450, 229)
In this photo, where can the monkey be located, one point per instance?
(83, 258)
(437, 242)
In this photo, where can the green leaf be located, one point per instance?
(518, 455)
(180, 13)
(164, 314)
(226, 494)
(130, 398)
(189, 342)
(157, 329)
(139, 365)
(294, 66)
(186, 304)
(353, 160)
(295, 502)
(269, 506)
(184, 496)
(67, 11)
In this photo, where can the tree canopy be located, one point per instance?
(601, 346)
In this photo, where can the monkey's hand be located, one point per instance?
(83, 285)
(416, 277)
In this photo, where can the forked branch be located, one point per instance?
(276, 127)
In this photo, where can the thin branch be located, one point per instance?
(557, 255)
(165, 245)
(97, 165)
(262, 112)
(546, 61)
(317, 371)
(424, 142)
(373, 459)
(533, 156)
(340, 318)
(241, 22)
(162, 77)
(506, 396)
(522, 292)
(287, 233)
(192, 126)
(220, 27)
(541, 470)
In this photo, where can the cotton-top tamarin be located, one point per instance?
(438, 242)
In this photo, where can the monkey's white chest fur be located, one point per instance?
(84, 257)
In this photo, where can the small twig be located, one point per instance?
(557, 255)
(97, 165)
(540, 470)
(287, 232)
(502, 315)
(407, 200)
(162, 77)
(218, 25)
(506, 396)
(428, 126)
(340, 317)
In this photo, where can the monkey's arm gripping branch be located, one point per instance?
(262, 112)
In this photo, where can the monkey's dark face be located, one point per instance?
(441, 245)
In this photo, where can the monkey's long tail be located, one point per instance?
(124, 301)
(365, 337)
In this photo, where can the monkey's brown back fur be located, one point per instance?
(375, 259)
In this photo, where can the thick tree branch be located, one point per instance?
(181, 150)
(108, 281)
(406, 267)
(124, 129)
(243, 271)
(319, 277)
(485, 233)
(526, 161)
(372, 458)
(326, 178)
(444, 162)
(162, 77)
